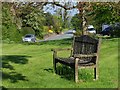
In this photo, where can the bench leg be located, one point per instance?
(54, 65)
(76, 70)
(95, 73)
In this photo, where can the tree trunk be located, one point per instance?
(84, 25)
(81, 9)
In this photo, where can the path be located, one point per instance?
(67, 34)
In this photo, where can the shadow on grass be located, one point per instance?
(68, 73)
(12, 75)
(20, 59)
(50, 70)
(65, 72)
(3, 88)
(17, 59)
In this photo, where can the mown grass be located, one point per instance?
(30, 66)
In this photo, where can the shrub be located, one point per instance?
(116, 30)
(27, 30)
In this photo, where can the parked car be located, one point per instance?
(29, 38)
(106, 31)
(70, 32)
(91, 29)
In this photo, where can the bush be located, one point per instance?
(116, 31)
(11, 33)
(27, 30)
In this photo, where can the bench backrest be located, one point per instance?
(85, 45)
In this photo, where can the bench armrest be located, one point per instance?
(59, 49)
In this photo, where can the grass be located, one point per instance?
(30, 66)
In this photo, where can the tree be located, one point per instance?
(34, 19)
(80, 6)
(77, 22)
(48, 19)
(30, 7)
(30, 15)
(57, 24)
(104, 13)
(9, 29)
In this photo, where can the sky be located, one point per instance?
(52, 10)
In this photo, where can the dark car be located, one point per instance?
(106, 31)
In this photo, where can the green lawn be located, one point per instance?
(30, 66)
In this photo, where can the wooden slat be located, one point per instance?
(84, 55)
(83, 67)
(61, 49)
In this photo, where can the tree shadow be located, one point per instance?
(20, 59)
(17, 59)
(13, 76)
(7, 61)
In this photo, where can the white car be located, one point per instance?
(91, 29)
(29, 38)
(70, 32)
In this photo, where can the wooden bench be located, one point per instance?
(84, 54)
